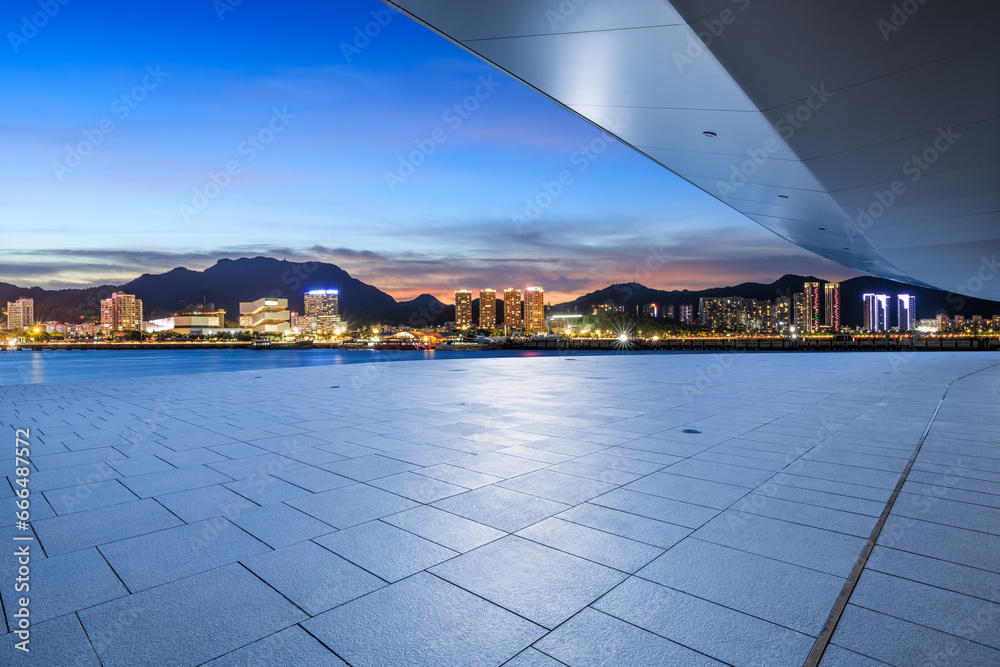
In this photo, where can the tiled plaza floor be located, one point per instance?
(516, 511)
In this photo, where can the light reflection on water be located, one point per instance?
(30, 367)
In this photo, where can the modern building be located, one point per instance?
(783, 312)
(814, 306)
(906, 311)
(687, 314)
(265, 316)
(800, 312)
(324, 305)
(487, 309)
(512, 310)
(759, 315)
(121, 312)
(670, 312)
(194, 321)
(20, 314)
(305, 324)
(463, 309)
(831, 300)
(651, 310)
(876, 312)
(534, 310)
(722, 313)
(807, 113)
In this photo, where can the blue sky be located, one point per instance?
(140, 136)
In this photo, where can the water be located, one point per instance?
(30, 367)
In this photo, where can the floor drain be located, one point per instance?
(691, 430)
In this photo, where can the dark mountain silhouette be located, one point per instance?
(230, 281)
(930, 302)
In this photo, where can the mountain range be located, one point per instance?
(230, 281)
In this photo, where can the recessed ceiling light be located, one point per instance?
(846, 248)
(782, 196)
(709, 134)
(822, 229)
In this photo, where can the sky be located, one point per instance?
(142, 136)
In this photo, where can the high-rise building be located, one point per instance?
(906, 311)
(324, 305)
(534, 310)
(670, 312)
(813, 306)
(959, 322)
(122, 312)
(876, 312)
(783, 312)
(20, 314)
(831, 294)
(267, 315)
(512, 310)
(727, 313)
(800, 311)
(651, 310)
(463, 309)
(487, 309)
(759, 315)
(687, 313)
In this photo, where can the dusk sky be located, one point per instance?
(115, 115)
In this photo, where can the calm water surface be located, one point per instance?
(28, 367)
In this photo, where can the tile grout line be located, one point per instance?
(823, 640)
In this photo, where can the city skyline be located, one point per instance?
(310, 117)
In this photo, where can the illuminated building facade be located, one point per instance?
(121, 312)
(512, 310)
(687, 313)
(324, 305)
(726, 313)
(463, 309)
(876, 312)
(487, 309)
(759, 315)
(607, 307)
(651, 310)
(906, 311)
(783, 312)
(813, 306)
(831, 299)
(534, 310)
(670, 312)
(306, 324)
(800, 311)
(193, 320)
(20, 314)
(267, 315)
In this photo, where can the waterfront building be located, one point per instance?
(306, 324)
(942, 323)
(959, 323)
(831, 299)
(463, 309)
(876, 312)
(487, 309)
(324, 305)
(534, 310)
(800, 312)
(266, 315)
(687, 313)
(191, 320)
(906, 311)
(813, 306)
(727, 313)
(512, 310)
(758, 315)
(783, 312)
(121, 312)
(20, 314)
